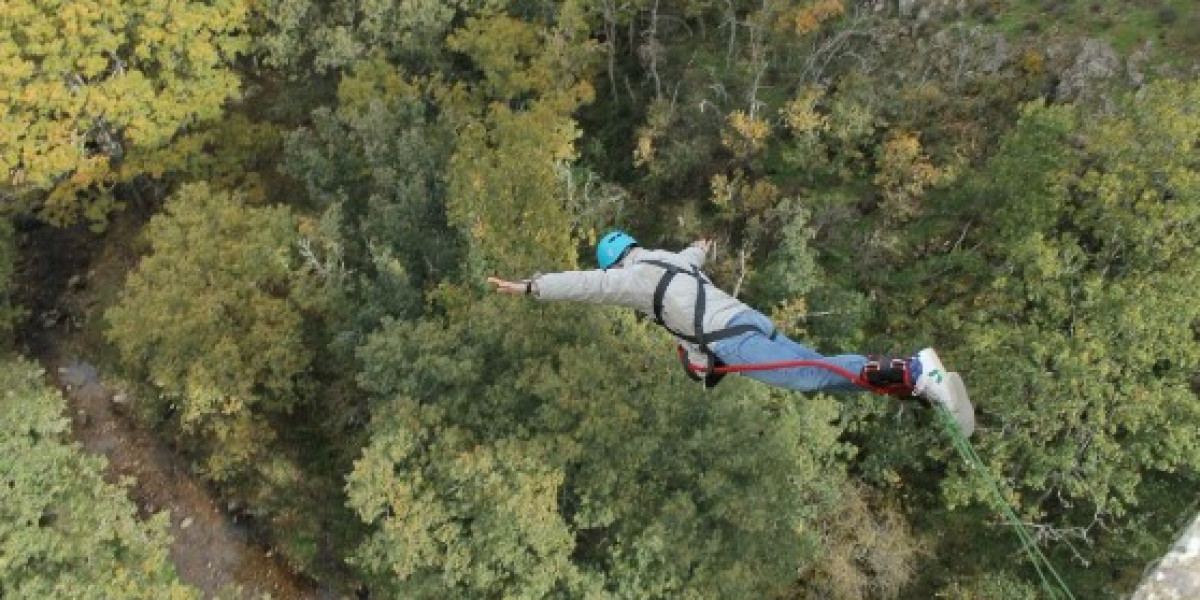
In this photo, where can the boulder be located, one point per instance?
(1177, 575)
(1095, 68)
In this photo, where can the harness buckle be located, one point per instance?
(889, 375)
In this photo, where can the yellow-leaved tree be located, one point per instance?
(88, 85)
(504, 169)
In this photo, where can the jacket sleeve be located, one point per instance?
(611, 286)
(694, 255)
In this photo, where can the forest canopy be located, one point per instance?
(284, 214)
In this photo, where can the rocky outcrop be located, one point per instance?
(969, 50)
(1177, 575)
(924, 11)
(1094, 69)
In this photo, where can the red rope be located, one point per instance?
(787, 364)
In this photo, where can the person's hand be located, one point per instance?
(704, 244)
(508, 287)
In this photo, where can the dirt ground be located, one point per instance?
(212, 550)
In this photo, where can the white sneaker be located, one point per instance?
(943, 387)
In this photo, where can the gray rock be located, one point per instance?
(997, 52)
(79, 373)
(1137, 61)
(957, 54)
(1096, 67)
(50, 318)
(925, 11)
(1177, 575)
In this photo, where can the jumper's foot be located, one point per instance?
(940, 386)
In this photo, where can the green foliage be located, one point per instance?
(1000, 584)
(1070, 313)
(518, 450)
(792, 270)
(828, 131)
(9, 312)
(505, 172)
(376, 166)
(212, 319)
(1100, 275)
(1127, 25)
(457, 518)
(226, 154)
(867, 551)
(504, 180)
(86, 85)
(629, 483)
(64, 531)
(304, 35)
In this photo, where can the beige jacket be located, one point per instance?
(633, 286)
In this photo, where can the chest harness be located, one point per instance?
(711, 376)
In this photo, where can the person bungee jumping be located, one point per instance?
(714, 329)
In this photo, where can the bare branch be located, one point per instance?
(961, 237)
(652, 49)
(610, 33)
(741, 271)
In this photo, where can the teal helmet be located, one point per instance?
(612, 247)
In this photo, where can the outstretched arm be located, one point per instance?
(512, 287)
(611, 286)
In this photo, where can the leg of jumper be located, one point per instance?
(752, 348)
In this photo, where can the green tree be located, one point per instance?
(303, 36)
(376, 167)
(867, 550)
(1000, 584)
(632, 482)
(1070, 313)
(213, 319)
(64, 531)
(505, 457)
(504, 173)
(90, 86)
(1101, 278)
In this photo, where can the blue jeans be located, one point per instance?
(757, 347)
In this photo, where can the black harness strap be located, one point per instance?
(661, 290)
(698, 316)
(700, 338)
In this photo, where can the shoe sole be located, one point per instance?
(940, 386)
(959, 403)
